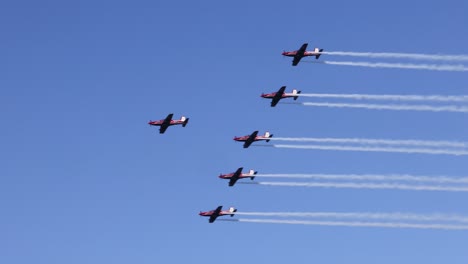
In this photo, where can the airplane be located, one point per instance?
(276, 97)
(233, 177)
(300, 53)
(165, 123)
(249, 139)
(213, 214)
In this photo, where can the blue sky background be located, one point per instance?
(84, 179)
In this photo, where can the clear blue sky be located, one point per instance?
(84, 179)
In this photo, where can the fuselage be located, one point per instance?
(212, 212)
(245, 138)
(284, 95)
(161, 122)
(230, 175)
(296, 53)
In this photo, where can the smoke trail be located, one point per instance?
(410, 142)
(446, 108)
(434, 98)
(399, 55)
(379, 149)
(369, 177)
(431, 67)
(358, 224)
(375, 186)
(363, 215)
(228, 220)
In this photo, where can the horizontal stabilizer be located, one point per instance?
(318, 55)
(185, 122)
(295, 97)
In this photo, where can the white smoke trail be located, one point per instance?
(358, 224)
(368, 141)
(433, 98)
(431, 67)
(363, 215)
(415, 56)
(427, 108)
(379, 149)
(369, 177)
(375, 186)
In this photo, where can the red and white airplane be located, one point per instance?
(165, 123)
(213, 214)
(233, 177)
(301, 53)
(249, 139)
(280, 94)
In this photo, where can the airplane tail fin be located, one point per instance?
(320, 53)
(185, 120)
(268, 135)
(252, 172)
(296, 92)
(232, 210)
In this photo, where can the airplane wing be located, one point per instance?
(163, 128)
(232, 181)
(302, 49)
(296, 60)
(278, 96)
(299, 54)
(168, 118)
(218, 210)
(251, 139)
(238, 172)
(165, 124)
(235, 176)
(215, 214)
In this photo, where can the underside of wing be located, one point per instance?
(296, 60)
(233, 181)
(303, 48)
(163, 128)
(275, 101)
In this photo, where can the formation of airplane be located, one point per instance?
(249, 139)
(233, 177)
(213, 214)
(167, 122)
(301, 53)
(280, 94)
